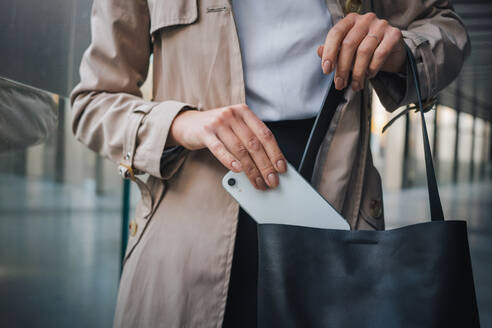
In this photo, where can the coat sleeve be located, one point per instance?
(438, 40)
(109, 114)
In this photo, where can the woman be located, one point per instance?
(221, 69)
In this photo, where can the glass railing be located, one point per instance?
(61, 212)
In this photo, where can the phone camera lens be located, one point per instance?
(231, 182)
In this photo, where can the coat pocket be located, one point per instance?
(152, 195)
(167, 14)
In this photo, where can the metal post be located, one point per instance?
(474, 128)
(60, 142)
(99, 173)
(472, 150)
(457, 133)
(456, 147)
(489, 146)
(483, 157)
(125, 219)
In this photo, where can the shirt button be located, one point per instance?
(133, 228)
(127, 156)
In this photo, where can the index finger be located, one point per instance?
(267, 139)
(333, 41)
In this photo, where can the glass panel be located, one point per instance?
(60, 217)
(416, 162)
(446, 137)
(465, 146)
(387, 149)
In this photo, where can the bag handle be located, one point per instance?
(333, 99)
(434, 198)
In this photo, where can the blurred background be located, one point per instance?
(64, 210)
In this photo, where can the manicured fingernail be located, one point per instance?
(326, 66)
(339, 83)
(281, 167)
(272, 179)
(260, 184)
(355, 85)
(236, 165)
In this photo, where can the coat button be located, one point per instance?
(133, 228)
(375, 208)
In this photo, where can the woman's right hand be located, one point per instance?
(236, 137)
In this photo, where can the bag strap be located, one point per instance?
(333, 98)
(434, 199)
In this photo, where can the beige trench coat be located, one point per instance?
(178, 259)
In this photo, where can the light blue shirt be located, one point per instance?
(279, 41)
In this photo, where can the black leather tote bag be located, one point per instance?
(416, 276)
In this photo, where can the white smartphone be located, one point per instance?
(293, 202)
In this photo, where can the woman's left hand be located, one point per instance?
(364, 45)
